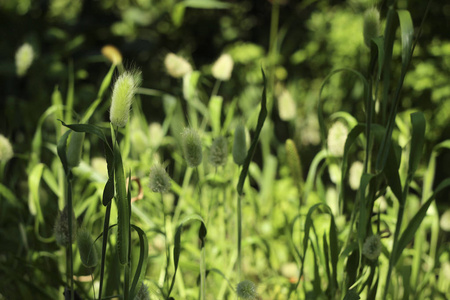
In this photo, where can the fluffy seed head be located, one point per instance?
(122, 97)
(24, 58)
(192, 147)
(177, 66)
(355, 173)
(159, 179)
(218, 154)
(223, 67)
(287, 108)
(6, 150)
(112, 54)
(246, 290)
(372, 247)
(143, 293)
(61, 228)
(371, 28)
(75, 148)
(239, 145)
(337, 135)
(86, 247)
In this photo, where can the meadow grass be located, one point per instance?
(206, 205)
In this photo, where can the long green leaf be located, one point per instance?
(417, 142)
(34, 180)
(261, 118)
(142, 263)
(407, 32)
(104, 245)
(414, 224)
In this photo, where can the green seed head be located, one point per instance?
(218, 154)
(6, 150)
(223, 67)
(88, 252)
(159, 179)
(24, 58)
(75, 148)
(122, 97)
(371, 27)
(246, 290)
(143, 293)
(372, 247)
(177, 66)
(293, 160)
(192, 147)
(61, 228)
(239, 145)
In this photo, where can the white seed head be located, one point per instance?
(24, 58)
(287, 108)
(371, 28)
(192, 147)
(6, 150)
(246, 290)
(355, 173)
(372, 247)
(177, 66)
(337, 135)
(218, 153)
(124, 90)
(223, 67)
(310, 134)
(156, 134)
(159, 179)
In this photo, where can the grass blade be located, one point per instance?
(410, 231)
(142, 263)
(261, 118)
(177, 243)
(417, 142)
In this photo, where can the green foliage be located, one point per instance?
(276, 217)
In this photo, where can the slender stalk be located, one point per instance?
(166, 243)
(273, 40)
(70, 212)
(239, 236)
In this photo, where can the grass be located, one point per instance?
(250, 230)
